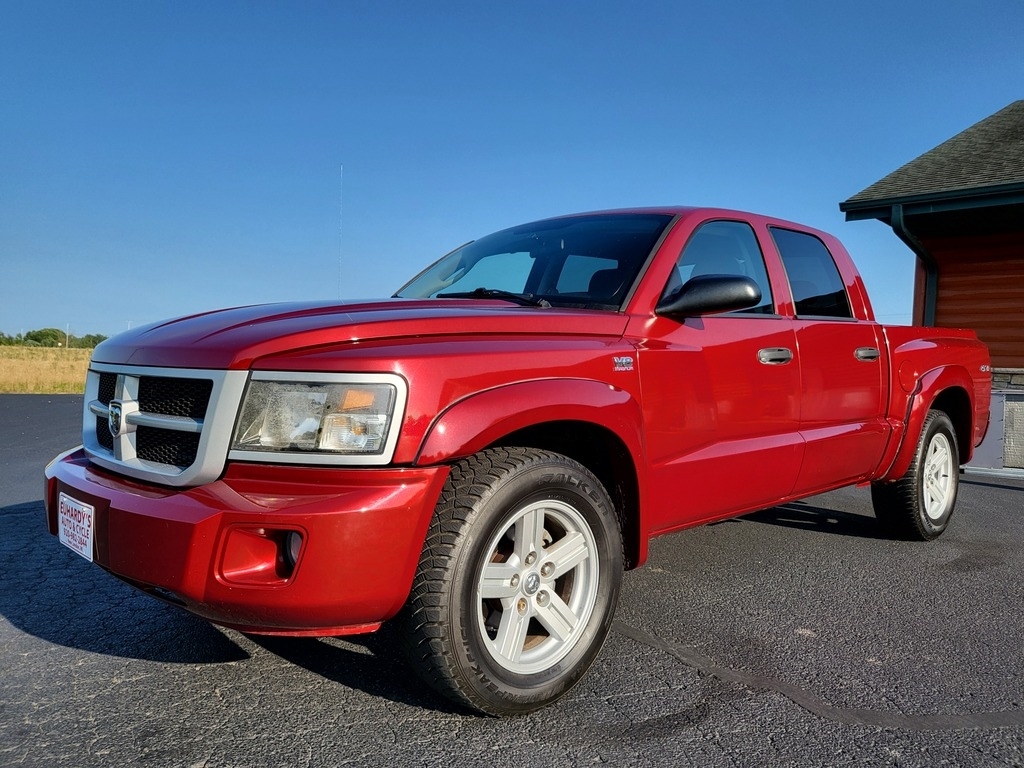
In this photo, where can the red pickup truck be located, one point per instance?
(479, 457)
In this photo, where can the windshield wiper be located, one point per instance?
(522, 299)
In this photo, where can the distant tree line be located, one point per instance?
(51, 337)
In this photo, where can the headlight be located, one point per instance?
(320, 418)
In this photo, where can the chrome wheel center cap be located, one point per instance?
(531, 584)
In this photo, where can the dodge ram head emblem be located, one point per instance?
(114, 418)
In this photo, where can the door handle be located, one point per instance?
(867, 354)
(774, 355)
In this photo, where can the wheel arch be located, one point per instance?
(589, 421)
(945, 389)
(603, 453)
(956, 403)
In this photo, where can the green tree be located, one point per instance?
(90, 340)
(46, 337)
(52, 337)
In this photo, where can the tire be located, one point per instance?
(516, 588)
(918, 506)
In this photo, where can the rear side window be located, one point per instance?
(814, 279)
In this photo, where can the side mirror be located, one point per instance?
(708, 294)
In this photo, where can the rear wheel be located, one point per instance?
(920, 504)
(518, 581)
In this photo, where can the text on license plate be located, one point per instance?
(76, 524)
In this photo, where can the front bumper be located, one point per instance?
(221, 550)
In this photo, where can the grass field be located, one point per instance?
(43, 370)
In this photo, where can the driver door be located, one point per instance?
(720, 394)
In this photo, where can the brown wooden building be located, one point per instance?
(960, 208)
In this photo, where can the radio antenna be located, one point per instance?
(341, 226)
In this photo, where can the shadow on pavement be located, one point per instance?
(975, 480)
(808, 517)
(370, 663)
(49, 592)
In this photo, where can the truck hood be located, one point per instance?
(236, 338)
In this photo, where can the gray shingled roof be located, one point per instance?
(986, 155)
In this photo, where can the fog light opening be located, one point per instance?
(259, 556)
(292, 548)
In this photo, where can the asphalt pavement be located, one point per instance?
(793, 637)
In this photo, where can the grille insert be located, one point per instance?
(166, 446)
(103, 436)
(174, 397)
(108, 387)
(156, 396)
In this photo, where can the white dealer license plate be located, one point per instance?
(76, 524)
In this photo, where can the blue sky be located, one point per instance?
(161, 158)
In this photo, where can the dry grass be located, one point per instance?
(43, 370)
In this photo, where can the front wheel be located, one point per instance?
(919, 504)
(517, 584)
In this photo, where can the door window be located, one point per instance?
(814, 279)
(724, 248)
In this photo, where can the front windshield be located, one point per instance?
(576, 261)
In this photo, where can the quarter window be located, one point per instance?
(814, 279)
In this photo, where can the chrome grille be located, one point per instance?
(170, 426)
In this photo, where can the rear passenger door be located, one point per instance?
(842, 369)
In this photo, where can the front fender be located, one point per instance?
(480, 420)
(930, 386)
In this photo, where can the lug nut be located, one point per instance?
(547, 569)
(542, 598)
(515, 580)
(531, 558)
(521, 605)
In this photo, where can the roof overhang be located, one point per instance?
(934, 202)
